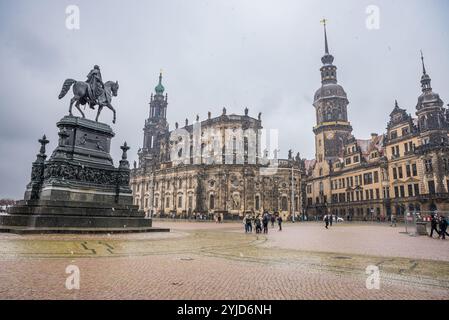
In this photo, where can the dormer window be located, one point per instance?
(393, 134)
(405, 131)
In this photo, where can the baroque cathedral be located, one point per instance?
(214, 166)
(220, 166)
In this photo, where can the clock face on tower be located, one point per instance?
(330, 135)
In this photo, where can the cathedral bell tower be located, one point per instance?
(330, 102)
(156, 127)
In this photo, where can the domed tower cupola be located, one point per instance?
(428, 98)
(158, 102)
(432, 118)
(159, 88)
(330, 102)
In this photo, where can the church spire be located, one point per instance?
(160, 88)
(425, 79)
(327, 59)
(423, 65)
(326, 46)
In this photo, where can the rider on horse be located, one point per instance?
(96, 86)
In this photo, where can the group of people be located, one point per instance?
(260, 222)
(328, 220)
(439, 225)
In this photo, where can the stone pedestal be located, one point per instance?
(78, 189)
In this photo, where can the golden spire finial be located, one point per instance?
(323, 21)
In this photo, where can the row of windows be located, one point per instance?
(168, 201)
(168, 185)
(394, 134)
(365, 179)
(410, 171)
(354, 159)
(412, 189)
(408, 147)
(358, 195)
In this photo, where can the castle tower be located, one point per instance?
(330, 102)
(433, 126)
(432, 115)
(156, 126)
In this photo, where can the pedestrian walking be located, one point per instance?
(433, 225)
(393, 220)
(280, 223)
(248, 224)
(331, 218)
(258, 224)
(273, 220)
(326, 221)
(265, 223)
(443, 227)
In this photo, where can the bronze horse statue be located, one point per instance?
(81, 96)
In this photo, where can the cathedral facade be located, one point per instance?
(217, 166)
(404, 169)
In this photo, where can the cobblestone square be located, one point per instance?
(219, 261)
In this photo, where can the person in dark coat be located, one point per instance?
(280, 223)
(443, 227)
(433, 225)
(273, 220)
(248, 224)
(326, 221)
(265, 223)
(258, 224)
(331, 219)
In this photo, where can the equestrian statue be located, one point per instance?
(92, 91)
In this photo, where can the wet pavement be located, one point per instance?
(219, 261)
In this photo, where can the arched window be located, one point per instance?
(211, 202)
(284, 203)
(257, 203)
(202, 151)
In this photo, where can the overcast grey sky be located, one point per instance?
(264, 55)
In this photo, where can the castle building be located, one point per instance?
(216, 166)
(404, 169)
